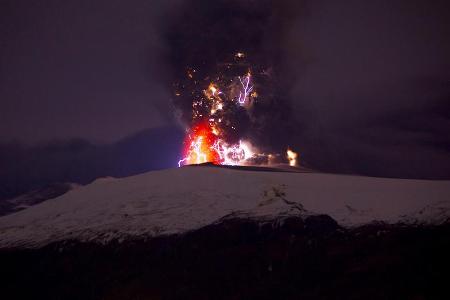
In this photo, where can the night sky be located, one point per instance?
(366, 84)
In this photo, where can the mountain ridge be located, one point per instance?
(175, 201)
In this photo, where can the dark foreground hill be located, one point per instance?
(299, 258)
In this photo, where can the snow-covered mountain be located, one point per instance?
(176, 201)
(34, 197)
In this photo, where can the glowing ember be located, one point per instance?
(292, 157)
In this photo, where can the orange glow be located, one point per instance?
(199, 146)
(212, 91)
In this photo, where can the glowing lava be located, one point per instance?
(202, 145)
(199, 146)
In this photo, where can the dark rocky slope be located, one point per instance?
(312, 258)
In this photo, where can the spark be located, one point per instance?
(213, 89)
(212, 92)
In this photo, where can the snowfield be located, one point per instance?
(179, 200)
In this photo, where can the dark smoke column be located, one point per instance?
(218, 41)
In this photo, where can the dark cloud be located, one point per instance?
(25, 168)
(373, 87)
(86, 69)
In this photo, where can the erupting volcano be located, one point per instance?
(222, 110)
(231, 83)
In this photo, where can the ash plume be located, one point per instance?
(216, 41)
